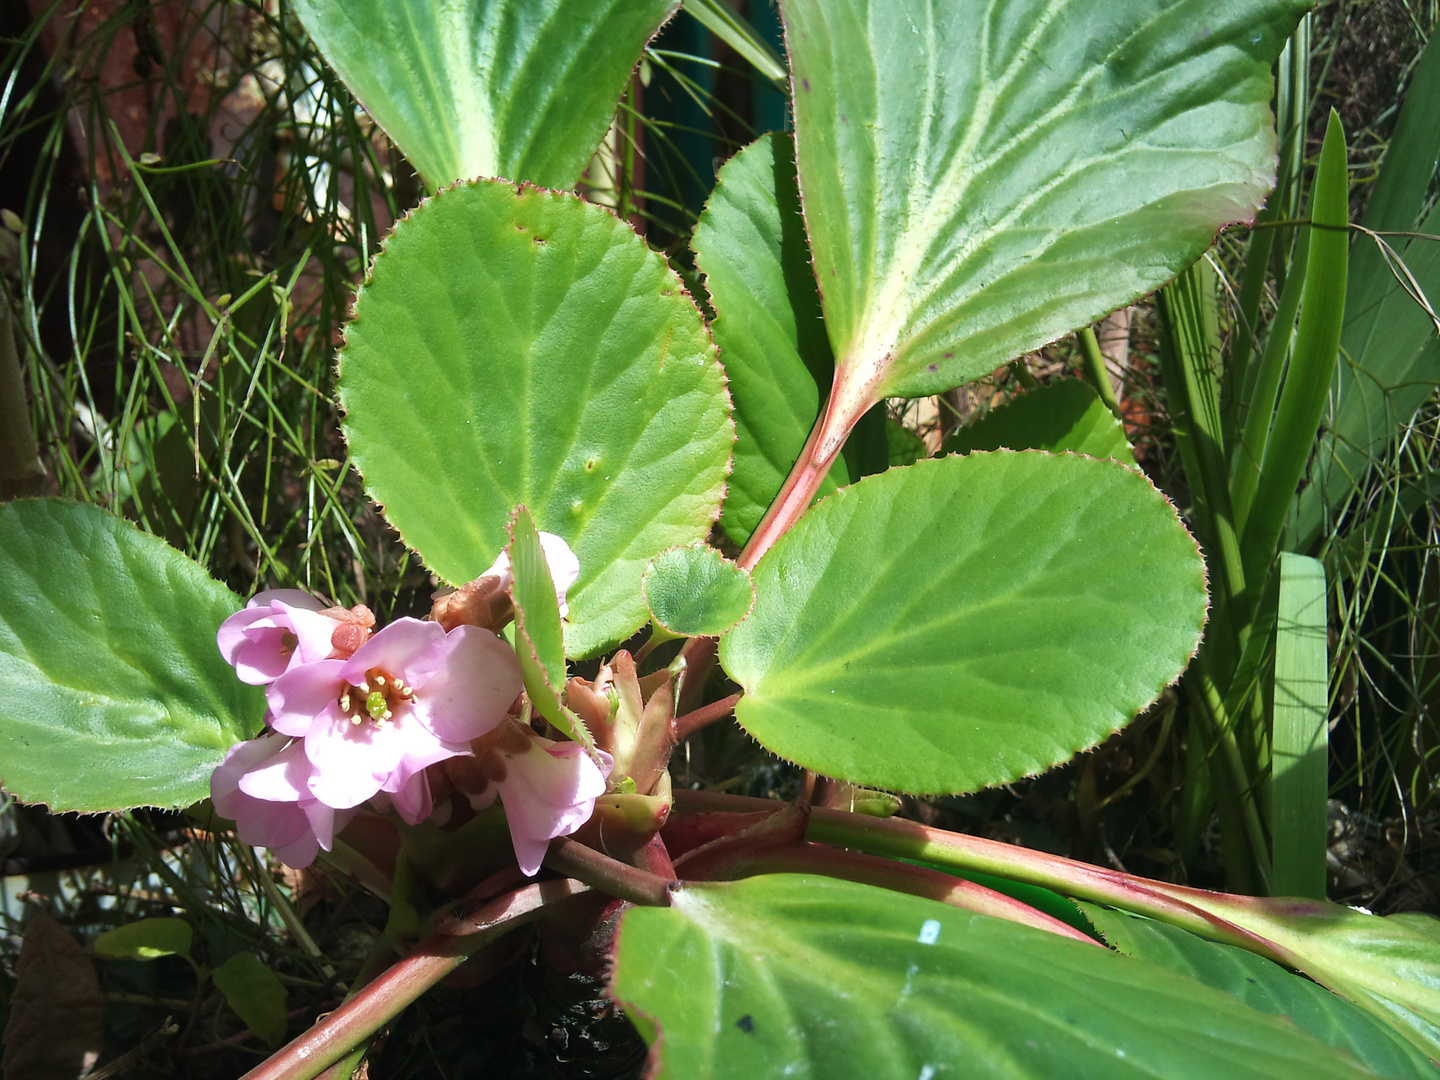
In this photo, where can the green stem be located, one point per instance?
(1235, 792)
(1095, 371)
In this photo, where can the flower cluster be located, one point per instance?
(356, 716)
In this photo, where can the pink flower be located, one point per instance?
(262, 786)
(564, 568)
(409, 697)
(276, 631)
(548, 788)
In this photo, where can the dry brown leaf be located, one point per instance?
(57, 1011)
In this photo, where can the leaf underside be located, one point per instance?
(980, 178)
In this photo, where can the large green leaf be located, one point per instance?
(1265, 985)
(980, 178)
(750, 244)
(811, 977)
(1063, 415)
(112, 691)
(1388, 966)
(966, 620)
(519, 346)
(517, 88)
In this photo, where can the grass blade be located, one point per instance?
(1299, 732)
(1317, 343)
(742, 37)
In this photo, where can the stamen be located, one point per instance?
(355, 721)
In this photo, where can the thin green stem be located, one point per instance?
(1095, 372)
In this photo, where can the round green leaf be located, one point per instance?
(517, 88)
(519, 346)
(1063, 415)
(696, 591)
(1265, 985)
(789, 975)
(147, 939)
(966, 621)
(750, 245)
(980, 178)
(255, 994)
(112, 691)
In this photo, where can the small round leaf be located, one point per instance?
(696, 591)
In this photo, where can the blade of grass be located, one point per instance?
(1292, 107)
(1260, 409)
(1189, 365)
(1299, 731)
(734, 31)
(1317, 343)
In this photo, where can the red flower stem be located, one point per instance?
(600, 871)
(906, 878)
(1190, 909)
(357, 1019)
(692, 722)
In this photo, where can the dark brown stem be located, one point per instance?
(625, 882)
(692, 722)
(364, 1014)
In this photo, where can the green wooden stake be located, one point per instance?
(1299, 731)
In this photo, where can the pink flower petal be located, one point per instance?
(304, 695)
(275, 631)
(548, 791)
(471, 693)
(325, 822)
(239, 759)
(284, 778)
(298, 853)
(313, 633)
(353, 761)
(412, 802)
(408, 649)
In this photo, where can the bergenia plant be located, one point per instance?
(964, 183)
